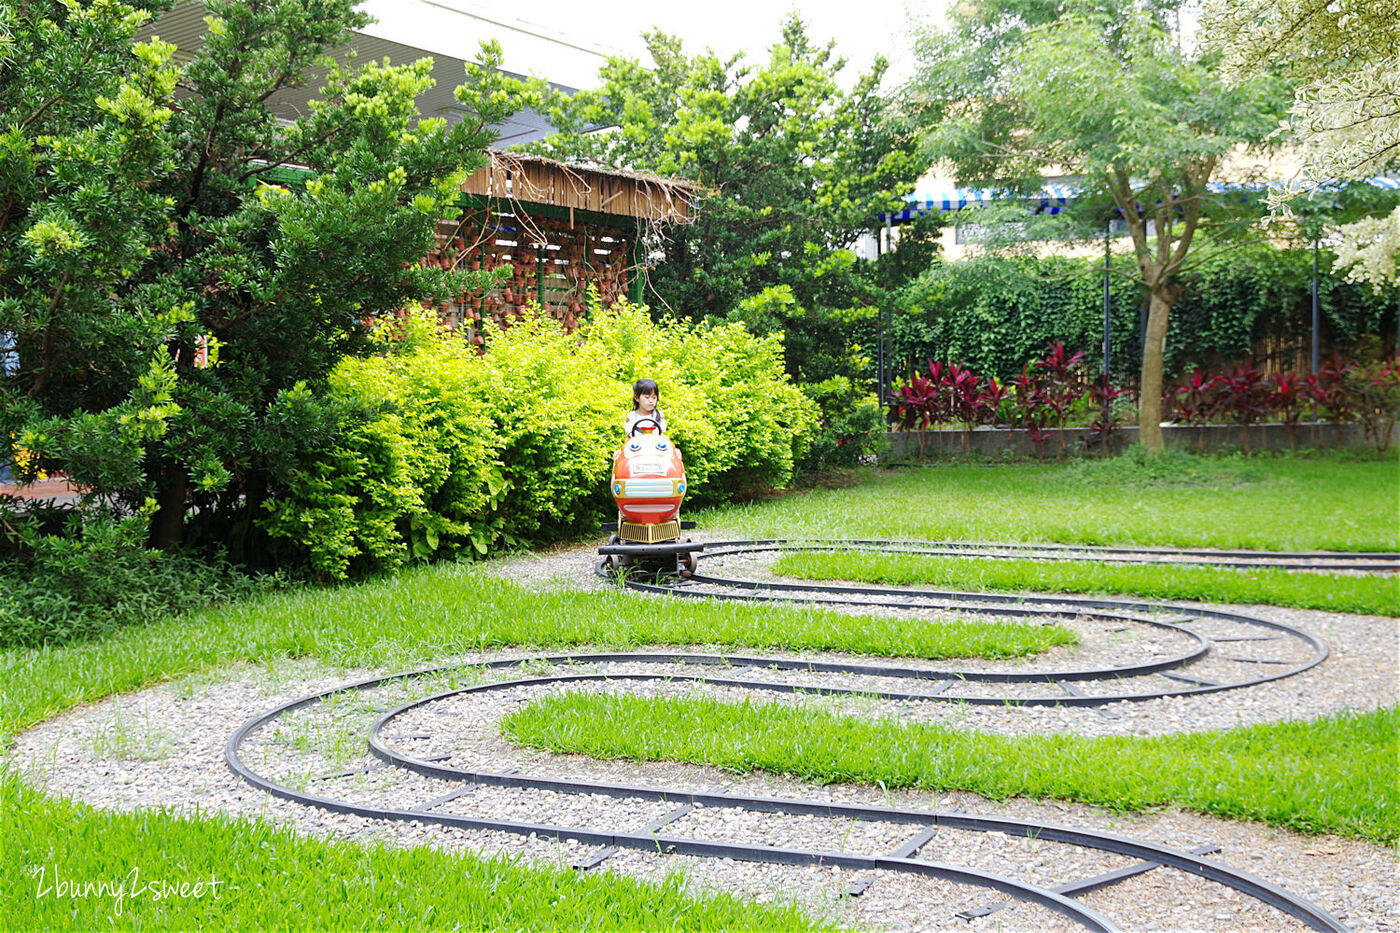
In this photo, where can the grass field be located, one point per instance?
(417, 617)
(426, 614)
(1336, 775)
(1179, 500)
(243, 875)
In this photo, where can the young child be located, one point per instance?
(644, 399)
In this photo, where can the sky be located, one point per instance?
(862, 30)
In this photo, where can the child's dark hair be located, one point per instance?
(644, 387)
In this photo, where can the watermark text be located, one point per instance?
(131, 887)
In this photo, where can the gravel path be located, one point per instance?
(164, 747)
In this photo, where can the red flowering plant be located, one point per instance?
(1329, 392)
(1244, 395)
(990, 401)
(1196, 400)
(1374, 392)
(1104, 395)
(1032, 413)
(1285, 400)
(915, 403)
(1047, 395)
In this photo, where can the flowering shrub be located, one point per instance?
(1050, 389)
(1340, 391)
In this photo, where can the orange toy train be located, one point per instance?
(648, 484)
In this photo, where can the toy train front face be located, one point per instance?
(648, 484)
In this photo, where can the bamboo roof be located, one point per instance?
(533, 179)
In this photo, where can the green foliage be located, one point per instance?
(1342, 120)
(1105, 93)
(165, 280)
(790, 168)
(852, 425)
(1261, 296)
(83, 140)
(76, 577)
(763, 423)
(444, 451)
(995, 313)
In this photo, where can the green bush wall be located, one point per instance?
(456, 452)
(996, 314)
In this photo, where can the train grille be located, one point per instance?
(648, 488)
(649, 534)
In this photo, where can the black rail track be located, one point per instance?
(1318, 561)
(1304, 652)
(654, 839)
(1156, 679)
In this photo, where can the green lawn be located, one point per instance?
(426, 614)
(1278, 503)
(1336, 775)
(244, 875)
(415, 618)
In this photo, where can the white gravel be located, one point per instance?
(164, 747)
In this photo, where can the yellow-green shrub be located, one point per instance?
(419, 476)
(729, 405)
(461, 451)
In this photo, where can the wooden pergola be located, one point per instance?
(563, 228)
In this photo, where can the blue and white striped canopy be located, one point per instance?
(1050, 200)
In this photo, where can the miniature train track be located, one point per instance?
(1319, 561)
(448, 784)
(1193, 651)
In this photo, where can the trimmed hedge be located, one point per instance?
(446, 451)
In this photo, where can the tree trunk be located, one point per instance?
(168, 524)
(1160, 302)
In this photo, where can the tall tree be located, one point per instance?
(1101, 92)
(84, 139)
(1345, 56)
(792, 167)
(243, 280)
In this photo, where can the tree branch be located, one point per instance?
(46, 352)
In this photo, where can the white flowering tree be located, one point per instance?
(1345, 57)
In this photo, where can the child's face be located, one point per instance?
(646, 402)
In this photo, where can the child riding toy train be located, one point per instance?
(648, 483)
